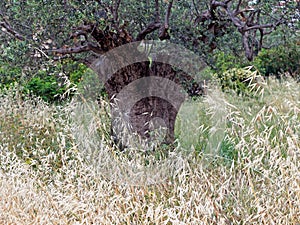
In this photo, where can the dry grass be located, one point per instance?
(45, 177)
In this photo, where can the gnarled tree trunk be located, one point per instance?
(146, 98)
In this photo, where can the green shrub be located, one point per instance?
(224, 62)
(47, 88)
(278, 60)
(48, 83)
(52, 83)
(77, 71)
(9, 75)
(243, 81)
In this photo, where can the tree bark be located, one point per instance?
(155, 108)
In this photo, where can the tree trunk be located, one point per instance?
(145, 99)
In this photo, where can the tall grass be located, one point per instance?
(58, 166)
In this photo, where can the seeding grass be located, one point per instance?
(58, 164)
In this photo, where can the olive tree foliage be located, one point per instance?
(64, 28)
(238, 26)
(35, 28)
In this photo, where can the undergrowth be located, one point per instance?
(58, 166)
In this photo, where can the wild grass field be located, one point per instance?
(51, 172)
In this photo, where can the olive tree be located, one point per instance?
(43, 31)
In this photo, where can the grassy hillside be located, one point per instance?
(58, 166)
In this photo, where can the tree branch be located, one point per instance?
(165, 27)
(196, 9)
(238, 7)
(235, 20)
(79, 49)
(64, 51)
(115, 12)
(149, 29)
(261, 32)
(256, 27)
(157, 14)
(245, 19)
(6, 28)
(248, 50)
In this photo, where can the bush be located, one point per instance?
(50, 84)
(9, 75)
(275, 61)
(224, 62)
(47, 88)
(243, 81)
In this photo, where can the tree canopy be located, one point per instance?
(64, 28)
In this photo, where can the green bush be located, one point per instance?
(9, 75)
(75, 71)
(278, 60)
(243, 81)
(224, 62)
(47, 88)
(52, 83)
